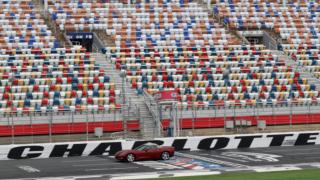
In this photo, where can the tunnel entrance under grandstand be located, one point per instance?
(261, 37)
(83, 39)
(253, 37)
(255, 40)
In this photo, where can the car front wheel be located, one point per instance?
(130, 157)
(165, 156)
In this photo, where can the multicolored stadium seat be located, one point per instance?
(23, 27)
(39, 76)
(165, 23)
(197, 74)
(160, 45)
(297, 24)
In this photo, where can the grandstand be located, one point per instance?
(196, 49)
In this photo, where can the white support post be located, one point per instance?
(46, 5)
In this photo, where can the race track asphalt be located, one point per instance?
(224, 161)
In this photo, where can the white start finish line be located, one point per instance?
(275, 169)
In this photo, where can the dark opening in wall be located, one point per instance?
(85, 39)
(255, 40)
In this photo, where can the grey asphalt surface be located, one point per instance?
(222, 160)
(74, 166)
(286, 155)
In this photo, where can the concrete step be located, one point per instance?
(147, 123)
(304, 73)
(144, 113)
(146, 117)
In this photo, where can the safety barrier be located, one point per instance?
(95, 148)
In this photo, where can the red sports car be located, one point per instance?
(148, 151)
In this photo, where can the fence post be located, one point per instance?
(50, 126)
(124, 119)
(234, 112)
(138, 112)
(31, 125)
(215, 116)
(87, 125)
(196, 116)
(256, 111)
(193, 118)
(127, 119)
(224, 118)
(309, 114)
(72, 121)
(12, 130)
(272, 114)
(180, 109)
(290, 123)
(159, 109)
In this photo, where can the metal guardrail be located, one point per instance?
(154, 109)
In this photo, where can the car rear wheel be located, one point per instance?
(130, 157)
(165, 156)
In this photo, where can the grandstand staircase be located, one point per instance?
(105, 38)
(135, 105)
(51, 24)
(205, 7)
(303, 72)
(274, 37)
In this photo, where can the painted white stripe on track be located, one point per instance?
(196, 173)
(315, 164)
(166, 174)
(235, 169)
(274, 169)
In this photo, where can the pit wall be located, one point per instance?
(95, 148)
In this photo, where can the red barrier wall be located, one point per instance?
(133, 125)
(215, 122)
(67, 128)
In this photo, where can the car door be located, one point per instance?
(141, 155)
(153, 153)
(141, 152)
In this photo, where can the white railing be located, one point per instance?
(154, 110)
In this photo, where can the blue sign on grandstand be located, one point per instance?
(76, 35)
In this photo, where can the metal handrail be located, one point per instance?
(153, 108)
(175, 47)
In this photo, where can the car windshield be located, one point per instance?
(146, 147)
